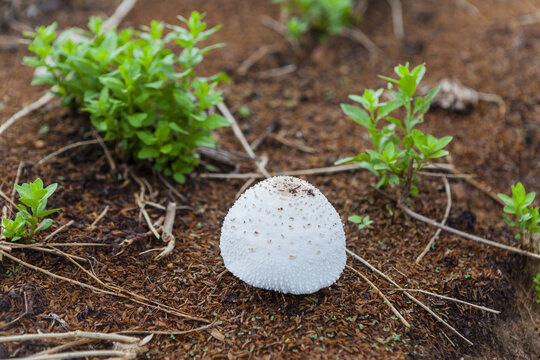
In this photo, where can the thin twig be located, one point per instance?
(425, 307)
(250, 181)
(14, 244)
(397, 18)
(66, 148)
(358, 36)
(312, 171)
(287, 142)
(121, 354)
(479, 186)
(146, 216)
(69, 335)
(167, 235)
(266, 132)
(450, 299)
(27, 110)
(119, 14)
(48, 249)
(466, 235)
(171, 188)
(65, 346)
(172, 332)
(252, 59)
(238, 133)
(385, 299)
(17, 178)
(100, 216)
(445, 217)
(108, 155)
(60, 229)
(8, 199)
(276, 72)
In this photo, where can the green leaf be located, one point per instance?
(214, 121)
(358, 115)
(136, 120)
(355, 219)
(45, 224)
(148, 152)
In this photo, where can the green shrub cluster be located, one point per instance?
(400, 150)
(135, 88)
(322, 17)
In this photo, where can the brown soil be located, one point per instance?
(489, 52)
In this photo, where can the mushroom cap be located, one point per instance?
(282, 234)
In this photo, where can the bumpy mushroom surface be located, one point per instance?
(282, 234)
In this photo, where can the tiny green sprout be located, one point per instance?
(29, 222)
(400, 150)
(244, 111)
(362, 222)
(527, 219)
(536, 281)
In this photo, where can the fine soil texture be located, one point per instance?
(487, 45)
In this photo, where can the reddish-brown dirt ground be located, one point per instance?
(490, 51)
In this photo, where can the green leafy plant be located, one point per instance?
(527, 219)
(321, 17)
(135, 88)
(400, 150)
(362, 222)
(27, 223)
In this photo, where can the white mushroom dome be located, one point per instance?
(282, 234)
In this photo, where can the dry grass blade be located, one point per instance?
(100, 216)
(171, 188)
(445, 217)
(466, 235)
(361, 38)
(385, 299)
(146, 216)
(172, 332)
(59, 230)
(425, 307)
(252, 59)
(65, 148)
(45, 99)
(276, 72)
(452, 299)
(8, 199)
(108, 155)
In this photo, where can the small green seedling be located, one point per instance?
(320, 17)
(527, 219)
(536, 281)
(135, 88)
(362, 222)
(244, 111)
(400, 150)
(27, 223)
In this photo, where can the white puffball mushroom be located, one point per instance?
(282, 234)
